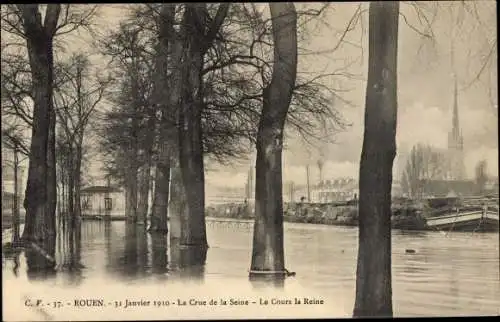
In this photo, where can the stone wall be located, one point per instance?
(341, 214)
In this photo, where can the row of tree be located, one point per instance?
(52, 97)
(182, 85)
(200, 83)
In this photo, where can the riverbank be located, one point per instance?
(403, 216)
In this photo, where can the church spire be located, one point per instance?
(455, 141)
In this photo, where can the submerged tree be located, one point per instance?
(39, 35)
(126, 137)
(373, 276)
(78, 95)
(40, 191)
(268, 252)
(165, 97)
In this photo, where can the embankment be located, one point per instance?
(403, 217)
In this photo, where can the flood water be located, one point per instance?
(450, 274)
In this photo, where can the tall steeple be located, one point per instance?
(455, 141)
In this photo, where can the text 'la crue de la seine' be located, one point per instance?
(190, 302)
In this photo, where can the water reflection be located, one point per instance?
(267, 281)
(40, 259)
(447, 275)
(413, 233)
(135, 253)
(188, 263)
(72, 248)
(159, 253)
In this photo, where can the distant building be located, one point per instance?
(344, 189)
(338, 190)
(96, 199)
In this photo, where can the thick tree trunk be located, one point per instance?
(167, 101)
(268, 254)
(189, 262)
(159, 256)
(159, 217)
(190, 132)
(373, 277)
(193, 179)
(145, 176)
(131, 195)
(177, 206)
(40, 220)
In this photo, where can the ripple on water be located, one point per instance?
(457, 274)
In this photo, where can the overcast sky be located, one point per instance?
(425, 87)
(425, 80)
(425, 90)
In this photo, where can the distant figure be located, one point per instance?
(243, 210)
(302, 210)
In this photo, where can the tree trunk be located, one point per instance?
(15, 210)
(268, 254)
(373, 276)
(159, 255)
(62, 196)
(51, 174)
(71, 185)
(190, 132)
(169, 93)
(145, 176)
(177, 205)
(78, 181)
(159, 217)
(131, 195)
(40, 221)
(144, 182)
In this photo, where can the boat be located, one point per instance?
(485, 219)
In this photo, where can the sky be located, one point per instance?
(426, 70)
(425, 93)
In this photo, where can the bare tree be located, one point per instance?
(77, 97)
(268, 253)
(126, 131)
(40, 192)
(25, 23)
(373, 276)
(16, 98)
(197, 41)
(166, 100)
(481, 176)
(423, 165)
